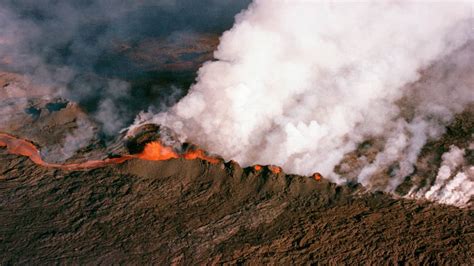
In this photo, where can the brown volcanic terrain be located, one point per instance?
(187, 212)
(192, 211)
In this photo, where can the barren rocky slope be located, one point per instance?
(189, 212)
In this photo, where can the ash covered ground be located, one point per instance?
(162, 199)
(188, 212)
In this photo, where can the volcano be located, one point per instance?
(167, 204)
(182, 133)
(180, 211)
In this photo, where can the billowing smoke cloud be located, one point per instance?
(75, 46)
(302, 83)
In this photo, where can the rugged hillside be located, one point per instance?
(118, 120)
(188, 212)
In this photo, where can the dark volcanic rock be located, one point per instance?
(189, 212)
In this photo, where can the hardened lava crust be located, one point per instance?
(191, 211)
(183, 211)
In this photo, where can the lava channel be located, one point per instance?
(153, 151)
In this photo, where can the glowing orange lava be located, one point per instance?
(153, 151)
(25, 148)
(199, 154)
(317, 176)
(274, 169)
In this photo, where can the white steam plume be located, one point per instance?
(454, 182)
(301, 83)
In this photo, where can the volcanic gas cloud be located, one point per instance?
(302, 83)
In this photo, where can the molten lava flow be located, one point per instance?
(28, 149)
(199, 154)
(154, 151)
(274, 169)
(21, 147)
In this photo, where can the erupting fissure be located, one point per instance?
(317, 176)
(153, 151)
(272, 168)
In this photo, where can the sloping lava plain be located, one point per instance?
(188, 212)
(195, 212)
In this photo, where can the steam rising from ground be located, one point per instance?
(301, 83)
(80, 50)
(454, 183)
(70, 44)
